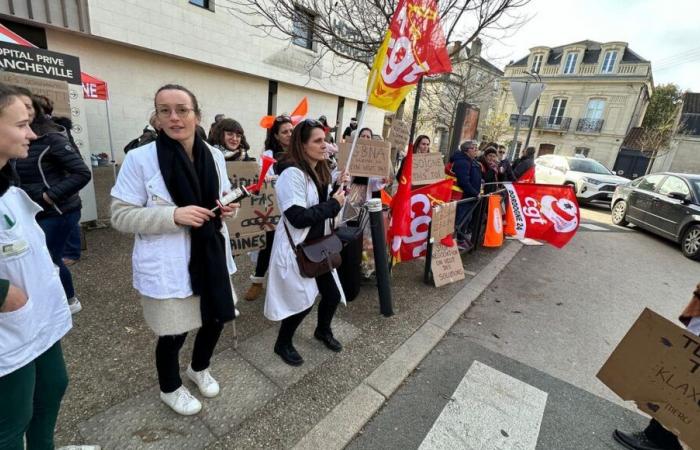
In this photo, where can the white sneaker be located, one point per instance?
(181, 401)
(205, 382)
(74, 305)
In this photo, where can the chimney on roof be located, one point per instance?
(475, 51)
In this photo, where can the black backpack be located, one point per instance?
(147, 137)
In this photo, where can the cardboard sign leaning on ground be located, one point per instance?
(257, 214)
(371, 158)
(657, 366)
(443, 222)
(446, 264)
(428, 168)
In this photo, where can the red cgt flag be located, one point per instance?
(413, 240)
(544, 212)
(401, 206)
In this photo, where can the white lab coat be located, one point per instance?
(24, 260)
(161, 261)
(289, 293)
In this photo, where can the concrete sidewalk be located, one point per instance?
(113, 396)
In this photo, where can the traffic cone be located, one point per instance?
(509, 225)
(494, 223)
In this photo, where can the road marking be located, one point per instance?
(489, 410)
(590, 226)
(528, 241)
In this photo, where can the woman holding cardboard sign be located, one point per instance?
(165, 194)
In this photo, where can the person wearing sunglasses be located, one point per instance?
(164, 195)
(277, 144)
(505, 168)
(308, 204)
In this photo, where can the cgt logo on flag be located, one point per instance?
(545, 212)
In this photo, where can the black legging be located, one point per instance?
(264, 255)
(168, 351)
(330, 297)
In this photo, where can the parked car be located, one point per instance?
(590, 179)
(667, 204)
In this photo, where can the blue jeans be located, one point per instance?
(57, 229)
(72, 250)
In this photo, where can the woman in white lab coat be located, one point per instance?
(308, 204)
(34, 315)
(182, 262)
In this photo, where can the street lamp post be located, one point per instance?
(538, 78)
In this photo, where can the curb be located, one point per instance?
(342, 424)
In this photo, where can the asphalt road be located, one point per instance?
(518, 370)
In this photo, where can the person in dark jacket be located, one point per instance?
(527, 162)
(52, 175)
(468, 174)
(488, 163)
(505, 169)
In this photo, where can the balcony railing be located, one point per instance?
(589, 125)
(553, 123)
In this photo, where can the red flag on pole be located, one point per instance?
(544, 212)
(401, 206)
(528, 176)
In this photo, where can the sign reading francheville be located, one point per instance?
(39, 62)
(427, 168)
(55, 90)
(446, 264)
(443, 223)
(399, 134)
(657, 366)
(257, 214)
(372, 158)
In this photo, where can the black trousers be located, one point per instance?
(168, 354)
(264, 255)
(661, 436)
(330, 297)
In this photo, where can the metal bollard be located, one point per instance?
(381, 265)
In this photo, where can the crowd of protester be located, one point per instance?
(167, 195)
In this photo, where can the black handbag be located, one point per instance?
(352, 230)
(318, 256)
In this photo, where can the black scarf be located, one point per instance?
(197, 183)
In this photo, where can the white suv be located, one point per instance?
(590, 179)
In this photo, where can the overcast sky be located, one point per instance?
(666, 32)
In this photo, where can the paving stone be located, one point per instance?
(258, 350)
(144, 422)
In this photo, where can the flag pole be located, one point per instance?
(361, 119)
(111, 141)
(416, 107)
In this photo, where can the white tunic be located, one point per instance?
(24, 260)
(289, 293)
(161, 261)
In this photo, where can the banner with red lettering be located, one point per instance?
(415, 243)
(544, 212)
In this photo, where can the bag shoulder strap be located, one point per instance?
(289, 236)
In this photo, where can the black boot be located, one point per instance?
(328, 339)
(640, 441)
(289, 354)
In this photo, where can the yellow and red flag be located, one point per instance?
(414, 46)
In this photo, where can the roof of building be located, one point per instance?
(590, 55)
(634, 138)
(691, 103)
(486, 64)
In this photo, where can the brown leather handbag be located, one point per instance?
(317, 256)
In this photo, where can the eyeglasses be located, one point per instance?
(181, 111)
(283, 118)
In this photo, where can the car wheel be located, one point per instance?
(619, 213)
(690, 243)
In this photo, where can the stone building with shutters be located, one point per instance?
(595, 93)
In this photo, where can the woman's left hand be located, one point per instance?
(228, 210)
(345, 178)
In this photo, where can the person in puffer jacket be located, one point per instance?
(52, 175)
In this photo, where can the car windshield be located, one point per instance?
(696, 187)
(587, 166)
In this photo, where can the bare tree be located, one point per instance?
(354, 29)
(495, 127)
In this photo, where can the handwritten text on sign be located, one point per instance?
(657, 365)
(371, 158)
(446, 264)
(427, 168)
(443, 220)
(399, 134)
(257, 214)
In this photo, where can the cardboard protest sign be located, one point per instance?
(657, 366)
(446, 264)
(371, 158)
(428, 168)
(56, 90)
(399, 134)
(257, 214)
(443, 223)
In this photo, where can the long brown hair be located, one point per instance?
(321, 174)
